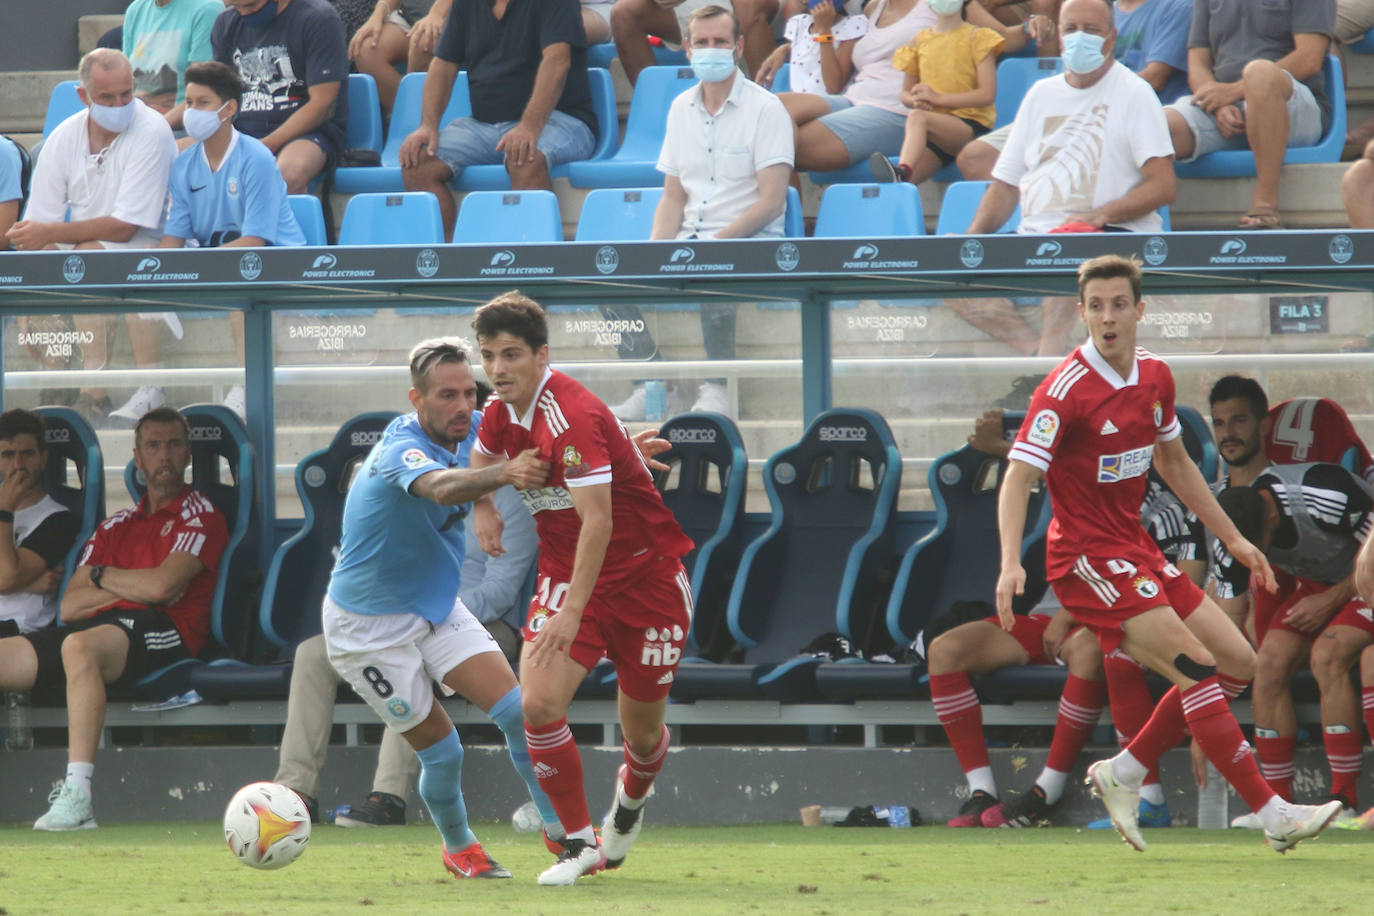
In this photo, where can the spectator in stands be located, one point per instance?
(11, 187)
(161, 38)
(1354, 18)
(1089, 149)
(293, 60)
(102, 183)
(226, 189)
(596, 20)
(399, 32)
(818, 45)
(1357, 191)
(41, 531)
(1257, 81)
(726, 158)
(140, 600)
(633, 21)
(531, 98)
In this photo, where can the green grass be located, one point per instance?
(185, 868)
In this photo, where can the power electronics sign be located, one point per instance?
(1048, 254)
(1235, 251)
(683, 260)
(149, 270)
(326, 267)
(506, 263)
(867, 257)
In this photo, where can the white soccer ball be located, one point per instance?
(526, 819)
(266, 825)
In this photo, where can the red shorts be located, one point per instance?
(1270, 608)
(642, 629)
(1102, 594)
(1029, 631)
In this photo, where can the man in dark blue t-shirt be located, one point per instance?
(526, 62)
(293, 59)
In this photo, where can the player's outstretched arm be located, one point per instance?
(456, 486)
(593, 507)
(1364, 572)
(1011, 523)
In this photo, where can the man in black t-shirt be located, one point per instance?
(526, 62)
(293, 60)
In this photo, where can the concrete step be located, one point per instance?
(90, 28)
(24, 98)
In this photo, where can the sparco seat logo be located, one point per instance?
(844, 434)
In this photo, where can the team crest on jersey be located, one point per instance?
(413, 458)
(571, 458)
(1044, 428)
(538, 619)
(1146, 587)
(1157, 411)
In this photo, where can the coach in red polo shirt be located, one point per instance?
(140, 600)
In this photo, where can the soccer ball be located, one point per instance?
(267, 825)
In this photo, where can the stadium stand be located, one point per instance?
(62, 104)
(503, 217)
(409, 218)
(309, 215)
(618, 214)
(632, 165)
(961, 202)
(870, 211)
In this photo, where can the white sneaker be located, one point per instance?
(621, 826)
(1122, 802)
(1301, 822)
(632, 409)
(71, 810)
(237, 402)
(579, 858)
(711, 398)
(144, 399)
(1249, 821)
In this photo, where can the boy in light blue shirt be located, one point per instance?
(226, 189)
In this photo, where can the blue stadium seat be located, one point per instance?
(289, 612)
(820, 566)
(618, 214)
(74, 474)
(633, 164)
(705, 490)
(405, 117)
(1197, 439)
(1231, 163)
(601, 55)
(364, 114)
(1015, 76)
(860, 173)
(960, 202)
(782, 80)
(793, 220)
(870, 211)
(408, 218)
(507, 217)
(62, 104)
(310, 217)
(1364, 46)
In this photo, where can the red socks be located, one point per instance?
(1216, 732)
(640, 771)
(1276, 762)
(958, 709)
(1080, 705)
(1345, 754)
(1130, 700)
(558, 767)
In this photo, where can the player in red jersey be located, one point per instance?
(611, 582)
(1094, 426)
(1316, 429)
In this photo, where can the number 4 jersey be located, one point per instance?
(1316, 429)
(586, 445)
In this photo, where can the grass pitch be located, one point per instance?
(186, 868)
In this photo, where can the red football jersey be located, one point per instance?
(586, 445)
(132, 539)
(1315, 429)
(1094, 434)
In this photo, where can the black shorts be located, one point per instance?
(9, 628)
(154, 643)
(946, 158)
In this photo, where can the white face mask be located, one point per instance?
(114, 118)
(945, 7)
(201, 124)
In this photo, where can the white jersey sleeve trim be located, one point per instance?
(1030, 454)
(1170, 432)
(482, 449)
(597, 476)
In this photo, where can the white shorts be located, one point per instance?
(601, 8)
(392, 660)
(141, 239)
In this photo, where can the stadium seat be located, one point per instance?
(62, 104)
(782, 80)
(633, 164)
(405, 117)
(74, 475)
(508, 217)
(960, 202)
(1364, 46)
(705, 489)
(1234, 163)
(618, 214)
(601, 55)
(364, 114)
(870, 211)
(821, 566)
(310, 217)
(1015, 76)
(1197, 439)
(408, 218)
(860, 173)
(793, 221)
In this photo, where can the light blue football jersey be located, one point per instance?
(246, 196)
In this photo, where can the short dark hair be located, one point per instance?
(434, 352)
(711, 11)
(1238, 386)
(161, 415)
(18, 422)
(1246, 509)
(1110, 267)
(221, 79)
(516, 314)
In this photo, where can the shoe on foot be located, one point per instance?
(1249, 821)
(711, 399)
(634, 408)
(621, 827)
(1121, 801)
(70, 810)
(382, 809)
(1151, 815)
(1302, 822)
(236, 401)
(1028, 809)
(971, 812)
(1348, 819)
(882, 168)
(579, 858)
(311, 806)
(473, 862)
(143, 400)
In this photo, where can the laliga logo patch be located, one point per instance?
(1146, 587)
(413, 458)
(1043, 429)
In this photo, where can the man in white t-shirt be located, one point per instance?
(1089, 149)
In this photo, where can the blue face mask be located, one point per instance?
(262, 17)
(201, 124)
(712, 65)
(1082, 52)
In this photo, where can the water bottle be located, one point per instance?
(1212, 802)
(655, 400)
(898, 816)
(18, 732)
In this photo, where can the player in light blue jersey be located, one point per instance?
(393, 622)
(226, 188)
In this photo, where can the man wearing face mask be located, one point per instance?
(1089, 149)
(226, 189)
(107, 163)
